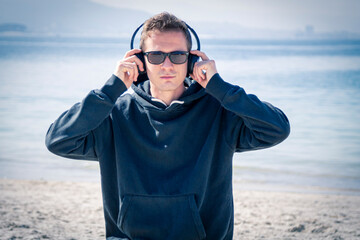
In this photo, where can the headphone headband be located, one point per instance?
(189, 28)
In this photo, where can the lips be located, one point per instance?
(167, 77)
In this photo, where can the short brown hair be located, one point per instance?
(165, 22)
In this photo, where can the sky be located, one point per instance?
(323, 15)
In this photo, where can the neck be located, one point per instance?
(166, 96)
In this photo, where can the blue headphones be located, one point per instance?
(192, 59)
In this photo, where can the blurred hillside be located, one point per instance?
(85, 18)
(67, 17)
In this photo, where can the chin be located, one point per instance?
(168, 87)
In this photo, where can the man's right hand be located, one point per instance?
(127, 68)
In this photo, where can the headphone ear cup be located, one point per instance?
(142, 74)
(191, 62)
(142, 59)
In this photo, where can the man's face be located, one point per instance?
(166, 76)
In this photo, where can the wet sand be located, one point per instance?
(73, 210)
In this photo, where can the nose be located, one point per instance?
(167, 63)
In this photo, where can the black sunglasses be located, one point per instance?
(158, 57)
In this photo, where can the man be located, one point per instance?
(165, 148)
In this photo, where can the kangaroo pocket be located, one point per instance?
(160, 217)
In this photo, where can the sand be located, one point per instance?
(73, 210)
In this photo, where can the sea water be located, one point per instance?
(315, 82)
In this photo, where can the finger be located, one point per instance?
(200, 54)
(126, 74)
(199, 71)
(134, 59)
(128, 69)
(194, 76)
(202, 74)
(136, 71)
(136, 75)
(195, 72)
(131, 74)
(139, 63)
(132, 52)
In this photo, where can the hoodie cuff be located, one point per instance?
(217, 87)
(114, 87)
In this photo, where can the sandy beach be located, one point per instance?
(73, 210)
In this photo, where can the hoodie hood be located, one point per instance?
(193, 92)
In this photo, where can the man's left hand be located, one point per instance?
(203, 70)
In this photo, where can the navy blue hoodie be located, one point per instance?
(166, 171)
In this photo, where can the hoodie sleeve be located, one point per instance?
(75, 132)
(251, 123)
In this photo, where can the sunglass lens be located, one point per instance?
(178, 57)
(156, 57)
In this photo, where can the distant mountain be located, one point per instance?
(69, 17)
(88, 18)
(91, 19)
(228, 30)
(12, 27)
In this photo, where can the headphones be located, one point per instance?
(192, 59)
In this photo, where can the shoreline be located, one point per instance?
(257, 179)
(295, 189)
(39, 209)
